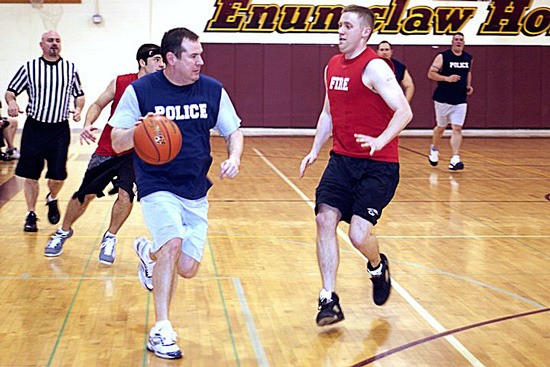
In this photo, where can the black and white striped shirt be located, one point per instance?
(50, 86)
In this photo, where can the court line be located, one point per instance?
(250, 326)
(249, 319)
(224, 305)
(445, 335)
(497, 161)
(306, 236)
(72, 303)
(412, 302)
(145, 351)
(476, 282)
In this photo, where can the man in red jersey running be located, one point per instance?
(364, 110)
(105, 165)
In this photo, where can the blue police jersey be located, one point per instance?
(194, 108)
(453, 93)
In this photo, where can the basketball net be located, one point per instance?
(50, 13)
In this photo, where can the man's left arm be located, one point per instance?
(78, 106)
(234, 144)
(228, 124)
(408, 86)
(469, 88)
(379, 77)
(78, 95)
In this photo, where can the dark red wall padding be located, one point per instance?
(281, 86)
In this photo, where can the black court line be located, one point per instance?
(444, 334)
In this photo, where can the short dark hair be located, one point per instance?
(145, 51)
(389, 44)
(365, 14)
(171, 41)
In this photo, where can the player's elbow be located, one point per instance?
(405, 114)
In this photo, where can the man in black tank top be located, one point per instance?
(452, 70)
(402, 74)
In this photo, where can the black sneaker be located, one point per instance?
(53, 210)
(30, 223)
(4, 157)
(330, 311)
(381, 284)
(456, 166)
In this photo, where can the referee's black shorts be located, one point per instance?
(357, 186)
(44, 142)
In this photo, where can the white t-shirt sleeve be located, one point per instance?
(228, 121)
(127, 112)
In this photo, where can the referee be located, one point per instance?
(49, 81)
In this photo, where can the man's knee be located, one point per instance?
(124, 196)
(187, 266)
(327, 217)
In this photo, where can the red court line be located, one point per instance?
(9, 189)
(444, 334)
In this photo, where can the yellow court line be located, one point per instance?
(313, 235)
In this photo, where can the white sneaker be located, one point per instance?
(146, 266)
(163, 342)
(54, 247)
(434, 156)
(456, 164)
(107, 252)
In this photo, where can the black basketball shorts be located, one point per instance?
(357, 186)
(44, 142)
(102, 170)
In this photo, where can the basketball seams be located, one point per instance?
(168, 142)
(145, 133)
(152, 140)
(146, 145)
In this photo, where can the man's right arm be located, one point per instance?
(322, 133)
(94, 111)
(124, 120)
(434, 72)
(13, 107)
(18, 84)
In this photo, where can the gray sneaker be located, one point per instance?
(107, 252)
(54, 247)
(146, 266)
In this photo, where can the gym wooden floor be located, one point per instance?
(469, 255)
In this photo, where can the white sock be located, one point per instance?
(51, 198)
(62, 231)
(161, 325)
(377, 271)
(325, 294)
(455, 159)
(109, 234)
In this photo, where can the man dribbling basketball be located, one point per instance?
(173, 196)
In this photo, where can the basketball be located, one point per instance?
(157, 140)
